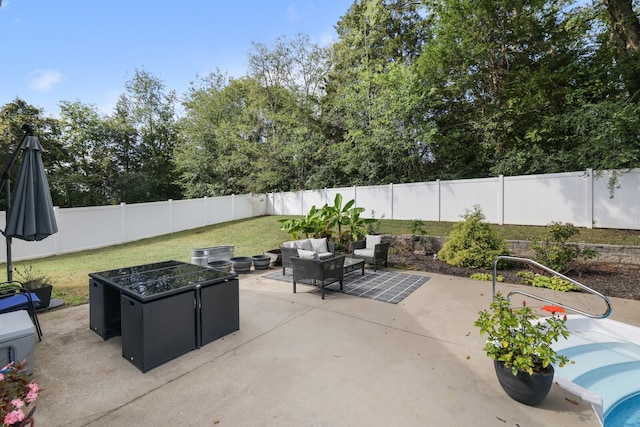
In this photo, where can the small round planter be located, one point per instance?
(524, 388)
(241, 264)
(220, 265)
(261, 262)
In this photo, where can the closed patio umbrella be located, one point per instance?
(30, 211)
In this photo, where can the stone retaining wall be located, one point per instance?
(616, 254)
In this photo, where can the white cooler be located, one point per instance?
(17, 339)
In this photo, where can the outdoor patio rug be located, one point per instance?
(386, 286)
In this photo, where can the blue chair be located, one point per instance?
(14, 297)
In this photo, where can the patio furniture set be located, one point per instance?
(165, 309)
(315, 260)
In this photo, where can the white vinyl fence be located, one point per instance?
(94, 227)
(580, 198)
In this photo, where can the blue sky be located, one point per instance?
(85, 50)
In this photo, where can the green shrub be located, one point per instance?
(417, 227)
(373, 227)
(486, 277)
(555, 252)
(553, 282)
(472, 243)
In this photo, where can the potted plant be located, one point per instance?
(520, 345)
(18, 394)
(417, 229)
(36, 282)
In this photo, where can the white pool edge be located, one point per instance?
(595, 400)
(578, 324)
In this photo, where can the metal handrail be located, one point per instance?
(606, 314)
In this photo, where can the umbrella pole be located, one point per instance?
(6, 183)
(7, 186)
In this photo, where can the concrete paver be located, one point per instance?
(298, 360)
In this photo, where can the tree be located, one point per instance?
(12, 117)
(90, 177)
(625, 34)
(145, 128)
(259, 133)
(376, 134)
(492, 74)
(224, 144)
(292, 74)
(599, 124)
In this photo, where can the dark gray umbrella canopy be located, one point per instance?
(31, 214)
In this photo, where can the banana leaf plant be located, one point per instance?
(323, 222)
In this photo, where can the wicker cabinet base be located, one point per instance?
(220, 312)
(104, 310)
(157, 331)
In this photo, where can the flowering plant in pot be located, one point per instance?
(521, 343)
(17, 395)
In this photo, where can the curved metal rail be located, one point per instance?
(606, 314)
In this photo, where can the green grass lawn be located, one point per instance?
(69, 272)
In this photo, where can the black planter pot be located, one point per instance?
(524, 388)
(261, 262)
(220, 265)
(241, 264)
(44, 294)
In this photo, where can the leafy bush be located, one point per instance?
(472, 243)
(417, 227)
(555, 252)
(486, 277)
(553, 282)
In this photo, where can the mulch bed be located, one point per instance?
(612, 280)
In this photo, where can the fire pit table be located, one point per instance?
(163, 310)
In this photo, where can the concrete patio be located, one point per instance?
(298, 360)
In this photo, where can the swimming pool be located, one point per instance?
(606, 372)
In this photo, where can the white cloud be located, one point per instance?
(43, 80)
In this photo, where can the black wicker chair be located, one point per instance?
(14, 297)
(321, 272)
(375, 256)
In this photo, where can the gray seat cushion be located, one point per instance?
(365, 253)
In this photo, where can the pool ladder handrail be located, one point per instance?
(606, 314)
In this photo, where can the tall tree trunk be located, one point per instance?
(626, 37)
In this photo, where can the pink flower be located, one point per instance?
(15, 394)
(31, 396)
(13, 417)
(18, 403)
